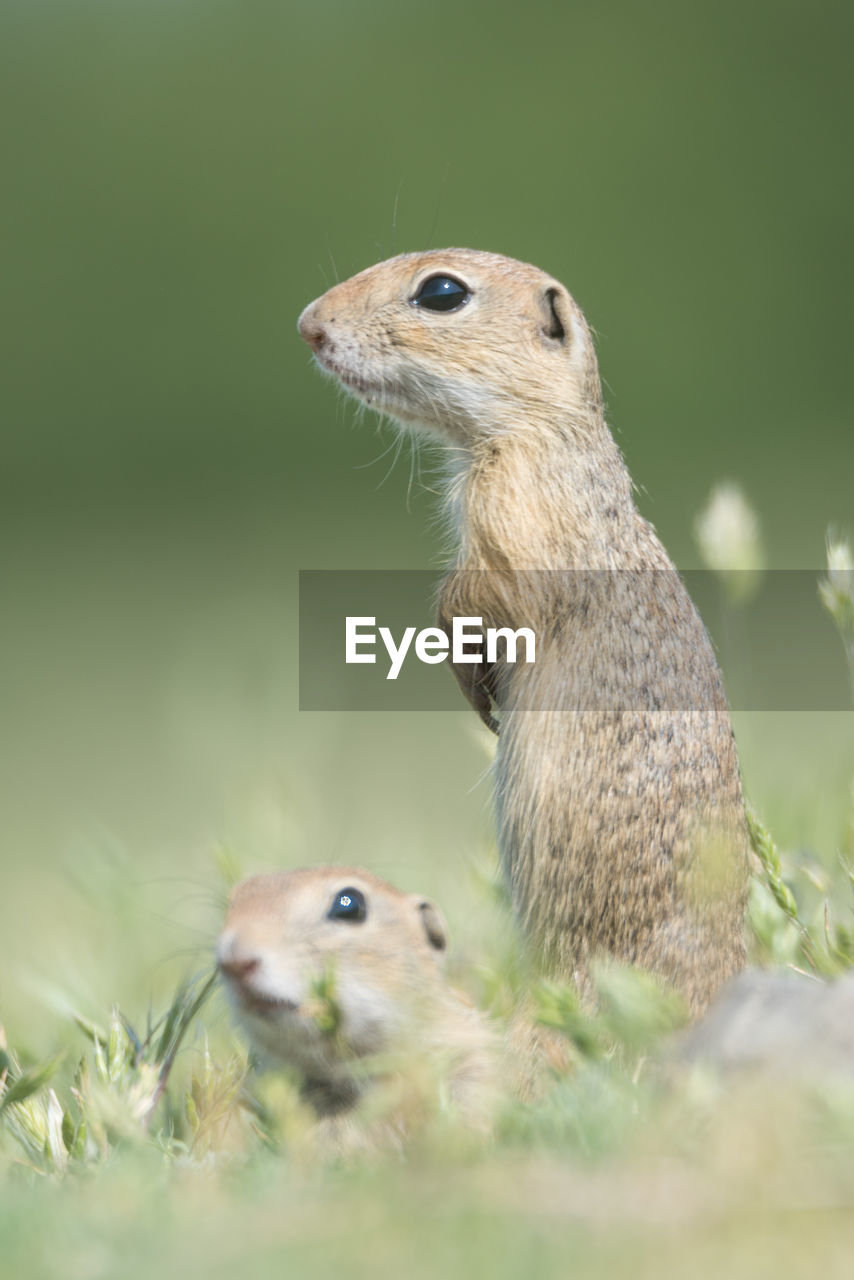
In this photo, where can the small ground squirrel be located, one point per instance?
(620, 814)
(338, 974)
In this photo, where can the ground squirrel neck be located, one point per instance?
(542, 499)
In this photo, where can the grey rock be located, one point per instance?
(783, 1023)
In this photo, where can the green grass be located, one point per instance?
(156, 1146)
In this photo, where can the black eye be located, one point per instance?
(441, 293)
(350, 905)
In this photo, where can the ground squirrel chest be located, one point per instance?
(618, 800)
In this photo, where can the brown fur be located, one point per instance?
(620, 814)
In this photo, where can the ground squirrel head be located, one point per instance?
(458, 341)
(330, 964)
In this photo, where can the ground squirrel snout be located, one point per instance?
(621, 829)
(330, 967)
(314, 334)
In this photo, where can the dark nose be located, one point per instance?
(312, 330)
(239, 967)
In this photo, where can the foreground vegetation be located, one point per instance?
(158, 1147)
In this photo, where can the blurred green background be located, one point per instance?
(179, 179)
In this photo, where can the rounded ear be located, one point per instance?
(433, 924)
(555, 315)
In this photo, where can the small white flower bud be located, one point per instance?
(728, 535)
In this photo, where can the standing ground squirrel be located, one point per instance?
(620, 814)
(339, 975)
